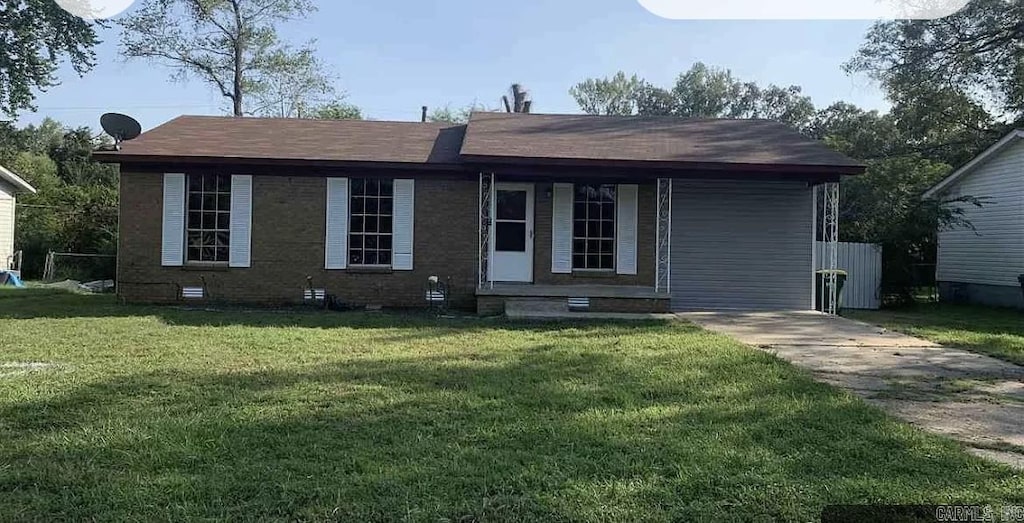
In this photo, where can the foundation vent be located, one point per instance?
(579, 304)
(193, 293)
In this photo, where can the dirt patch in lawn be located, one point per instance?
(8, 370)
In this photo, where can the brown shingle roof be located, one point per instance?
(645, 139)
(293, 139)
(489, 137)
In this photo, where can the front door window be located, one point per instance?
(510, 228)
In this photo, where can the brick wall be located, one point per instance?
(288, 232)
(647, 231)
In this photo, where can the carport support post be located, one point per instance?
(830, 237)
(663, 281)
(486, 199)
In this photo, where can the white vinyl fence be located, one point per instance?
(863, 263)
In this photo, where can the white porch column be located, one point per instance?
(663, 257)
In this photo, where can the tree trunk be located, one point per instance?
(239, 56)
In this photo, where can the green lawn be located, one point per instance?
(996, 332)
(158, 414)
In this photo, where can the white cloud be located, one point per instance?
(95, 9)
(802, 9)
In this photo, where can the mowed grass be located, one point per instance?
(155, 414)
(992, 331)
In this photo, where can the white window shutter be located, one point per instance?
(626, 233)
(405, 199)
(173, 249)
(241, 221)
(561, 228)
(336, 243)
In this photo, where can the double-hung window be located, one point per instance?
(371, 223)
(208, 230)
(593, 238)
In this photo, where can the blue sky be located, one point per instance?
(392, 56)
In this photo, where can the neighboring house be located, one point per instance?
(984, 265)
(10, 185)
(623, 213)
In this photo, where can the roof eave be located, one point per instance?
(975, 163)
(851, 169)
(17, 181)
(133, 159)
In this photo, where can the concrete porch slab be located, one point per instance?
(527, 290)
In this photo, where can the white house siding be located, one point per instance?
(741, 245)
(6, 223)
(993, 255)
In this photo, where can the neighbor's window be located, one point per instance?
(593, 238)
(209, 218)
(370, 226)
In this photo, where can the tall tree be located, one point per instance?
(333, 111)
(700, 92)
(294, 83)
(977, 52)
(75, 209)
(608, 96)
(35, 36)
(460, 116)
(232, 45)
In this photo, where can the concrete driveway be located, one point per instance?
(973, 398)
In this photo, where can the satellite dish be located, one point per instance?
(123, 128)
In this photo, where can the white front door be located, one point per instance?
(512, 233)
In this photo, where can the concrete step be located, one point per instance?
(558, 309)
(519, 306)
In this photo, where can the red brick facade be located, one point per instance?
(288, 231)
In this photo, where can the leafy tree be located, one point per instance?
(617, 95)
(232, 45)
(456, 116)
(11, 142)
(943, 124)
(977, 52)
(333, 111)
(40, 139)
(701, 92)
(885, 207)
(75, 208)
(865, 135)
(35, 36)
(295, 81)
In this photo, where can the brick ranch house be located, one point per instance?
(621, 213)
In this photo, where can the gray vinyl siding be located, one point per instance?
(6, 223)
(741, 245)
(993, 254)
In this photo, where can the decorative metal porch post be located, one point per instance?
(486, 197)
(830, 236)
(663, 257)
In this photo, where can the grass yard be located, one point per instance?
(154, 414)
(996, 332)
